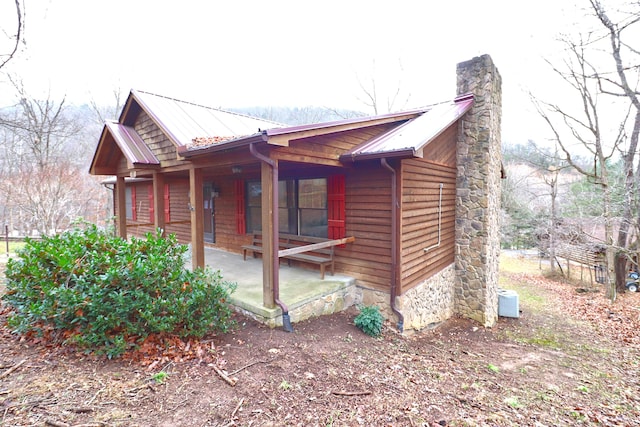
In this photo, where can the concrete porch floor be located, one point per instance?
(302, 290)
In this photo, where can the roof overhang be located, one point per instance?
(410, 138)
(117, 138)
(283, 136)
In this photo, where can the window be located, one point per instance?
(130, 198)
(302, 206)
(312, 207)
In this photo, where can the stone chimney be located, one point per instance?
(479, 161)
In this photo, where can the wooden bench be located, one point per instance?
(322, 257)
(591, 256)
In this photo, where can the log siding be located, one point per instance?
(420, 217)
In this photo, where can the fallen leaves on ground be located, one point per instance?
(583, 372)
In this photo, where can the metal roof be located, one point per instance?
(267, 135)
(411, 137)
(131, 144)
(184, 121)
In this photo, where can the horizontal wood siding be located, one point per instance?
(419, 224)
(368, 219)
(326, 149)
(227, 237)
(179, 214)
(442, 150)
(180, 218)
(142, 225)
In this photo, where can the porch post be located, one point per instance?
(267, 235)
(121, 214)
(158, 201)
(196, 206)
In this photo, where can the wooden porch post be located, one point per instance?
(197, 217)
(267, 235)
(158, 201)
(121, 215)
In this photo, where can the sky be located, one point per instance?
(246, 53)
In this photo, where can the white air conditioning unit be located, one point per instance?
(508, 303)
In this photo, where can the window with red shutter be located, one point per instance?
(134, 209)
(336, 214)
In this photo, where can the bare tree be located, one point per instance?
(625, 71)
(14, 36)
(381, 100)
(590, 126)
(109, 112)
(43, 176)
(584, 127)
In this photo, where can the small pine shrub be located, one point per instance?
(105, 293)
(370, 320)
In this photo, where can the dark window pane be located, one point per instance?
(313, 222)
(254, 194)
(312, 193)
(287, 221)
(254, 219)
(129, 203)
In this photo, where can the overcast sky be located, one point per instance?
(294, 53)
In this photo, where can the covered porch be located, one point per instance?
(302, 290)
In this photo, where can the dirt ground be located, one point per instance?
(570, 359)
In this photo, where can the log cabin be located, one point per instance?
(407, 202)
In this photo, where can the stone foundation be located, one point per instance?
(429, 303)
(332, 302)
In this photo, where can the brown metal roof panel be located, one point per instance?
(184, 121)
(412, 136)
(131, 144)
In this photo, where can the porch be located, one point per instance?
(302, 290)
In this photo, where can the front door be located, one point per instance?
(209, 213)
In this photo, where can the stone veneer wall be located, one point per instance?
(429, 303)
(479, 162)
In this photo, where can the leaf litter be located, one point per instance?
(573, 361)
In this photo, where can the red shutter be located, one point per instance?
(336, 207)
(151, 207)
(134, 210)
(241, 226)
(167, 205)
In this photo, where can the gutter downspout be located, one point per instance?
(286, 320)
(394, 243)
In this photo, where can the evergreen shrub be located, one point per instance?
(106, 294)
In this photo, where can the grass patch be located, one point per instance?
(541, 338)
(13, 247)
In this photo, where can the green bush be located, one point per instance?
(370, 320)
(106, 294)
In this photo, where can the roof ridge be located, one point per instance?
(206, 106)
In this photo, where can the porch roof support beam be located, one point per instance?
(196, 206)
(121, 214)
(158, 201)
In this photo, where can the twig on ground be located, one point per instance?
(350, 393)
(233, 414)
(249, 365)
(55, 423)
(90, 401)
(13, 368)
(231, 381)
